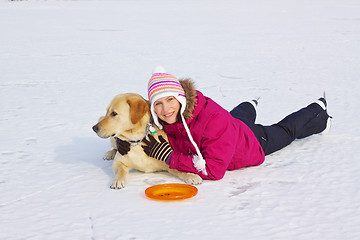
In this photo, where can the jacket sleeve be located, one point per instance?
(217, 146)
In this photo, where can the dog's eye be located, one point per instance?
(113, 114)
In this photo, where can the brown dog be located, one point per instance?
(127, 117)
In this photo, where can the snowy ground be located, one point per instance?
(61, 62)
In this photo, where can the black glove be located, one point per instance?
(122, 146)
(159, 150)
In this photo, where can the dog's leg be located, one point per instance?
(189, 178)
(110, 155)
(120, 172)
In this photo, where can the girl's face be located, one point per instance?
(167, 109)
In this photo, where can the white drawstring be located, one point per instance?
(199, 161)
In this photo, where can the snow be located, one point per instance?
(61, 63)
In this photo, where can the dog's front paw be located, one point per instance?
(117, 184)
(193, 179)
(110, 155)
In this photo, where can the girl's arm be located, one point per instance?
(217, 147)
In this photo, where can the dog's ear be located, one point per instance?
(138, 108)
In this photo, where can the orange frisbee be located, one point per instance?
(171, 191)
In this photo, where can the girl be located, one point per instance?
(208, 140)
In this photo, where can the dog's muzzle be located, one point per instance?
(95, 128)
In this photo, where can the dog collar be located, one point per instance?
(149, 129)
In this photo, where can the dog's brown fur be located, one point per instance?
(126, 118)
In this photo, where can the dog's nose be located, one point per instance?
(95, 128)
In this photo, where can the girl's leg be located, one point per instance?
(303, 123)
(245, 112)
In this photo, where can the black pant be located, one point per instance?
(303, 123)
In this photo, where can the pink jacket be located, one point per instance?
(226, 143)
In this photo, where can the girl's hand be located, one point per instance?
(122, 146)
(159, 150)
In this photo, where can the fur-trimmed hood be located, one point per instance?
(190, 95)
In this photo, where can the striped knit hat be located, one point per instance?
(162, 84)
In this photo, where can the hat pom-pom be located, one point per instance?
(159, 69)
(199, 164)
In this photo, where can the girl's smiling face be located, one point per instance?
(167, 109)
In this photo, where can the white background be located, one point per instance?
(61, 62)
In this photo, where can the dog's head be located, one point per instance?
(124, 113)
